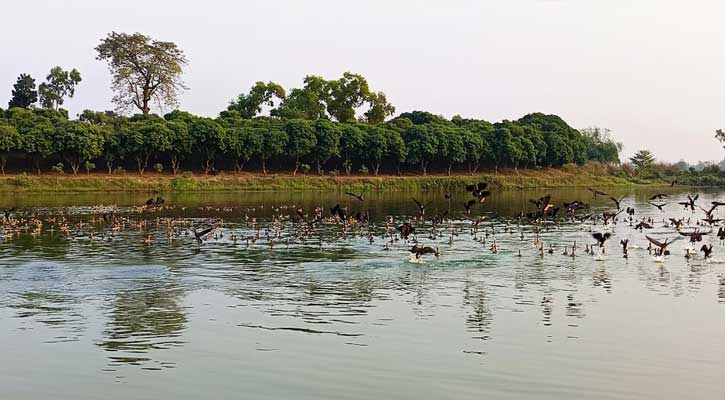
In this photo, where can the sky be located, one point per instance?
(651, 71)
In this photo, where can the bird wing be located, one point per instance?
(418, 203)
(351, 194)
(657, 242)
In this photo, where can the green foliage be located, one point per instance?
(143, 70)
(57, 168)
(643, 161)
(249, 105)
(59, 84)
(159, 168)
(305, 168)
(24, 94)
(89, 166)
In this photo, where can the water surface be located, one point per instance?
(91, 312)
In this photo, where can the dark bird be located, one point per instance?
(420, 251)
(695, 236)
(707, 250)
(629, 211)
(575, 205)
(360, 196)
(716, 204)
(467, 206)
(643, 225)
(658, 196)
(597, 192)
(673, 183)
(8, 213)
(199, 235)
(677, 222)
(479, 191)
(709, 217)
(659, 206)
(440, 217)
(721, 234)
(421, 207)
(337, 211)
(150, 202)
(617, 201)
(662, 245)
(159, 201)
(362, 216)
(607, 216)
(690, 203)
(406, 230)
(601, 238)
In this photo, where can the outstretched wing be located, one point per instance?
(656, 242)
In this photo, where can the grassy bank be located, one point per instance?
(507, 179)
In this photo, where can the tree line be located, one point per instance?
(41, 137)
(335, 125)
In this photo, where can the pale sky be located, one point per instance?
(649, 70)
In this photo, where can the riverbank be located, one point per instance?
(150, 182)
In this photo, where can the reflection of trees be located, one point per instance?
(479, 320)
(54, 310)
(144, 319)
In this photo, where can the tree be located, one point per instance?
(452, 147)
(307, 102)
(249, 105)
(422, 145)
(352, 141)
(243, 142)
(9, 142)
(181, 144)
(143, 70)
(328, 142)
(643, 160)
(59, 84)
(144, 138)
(274, 142)
(208, 136)
(345, 95)
(78, 142)
(376, 146)
(301, 140)
(379, 110)
(24, 93)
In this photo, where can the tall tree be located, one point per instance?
(643, 160)
(345, 95)
(301, 140)
(58, 85)
(24, 93)
(307, 102)
(250, 104)
(143, 70)
(379, 110)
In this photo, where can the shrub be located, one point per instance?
(57, 168)
(158, 167)
(119, 170)
(89, 166)
(305, 168)
(363, 170)
(334, 172)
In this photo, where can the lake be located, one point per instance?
(267, 308)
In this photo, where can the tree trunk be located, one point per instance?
(424, 168)
(319, 168)
(109, 165)
(297, 166)
(74, 166)
(141, 165)
(238, 166)
(3, 162)
(348, 167)
(174, 165)
(376, 169)
(208, 165)
(450, 166)
(264, 166)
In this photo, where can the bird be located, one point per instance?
(673, 183)
(690, 203)
(199, 235)
(695, 236)
(662, 245)
(479, 191)
(658, 196)
(659, 206)
(601, 238)
(360, 196)
(405, 230)
(336, 211)
(707, 250)
(420, 251)
(467, 206)
(617, 201)
(421, 207)
(643, 225)
(597, 192)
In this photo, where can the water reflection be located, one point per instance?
(141, 320)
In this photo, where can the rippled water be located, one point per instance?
(92, 312)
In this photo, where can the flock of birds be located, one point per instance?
(292, 225)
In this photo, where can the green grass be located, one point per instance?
(509, 179)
